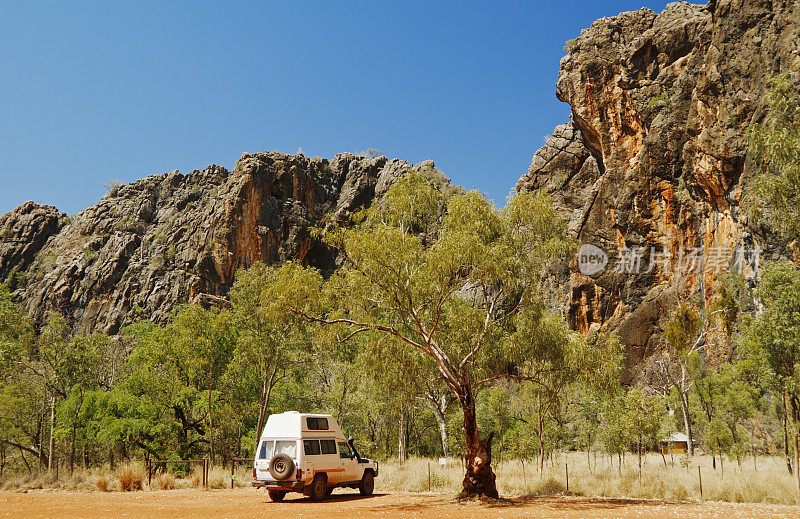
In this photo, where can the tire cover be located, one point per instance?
(281, 467)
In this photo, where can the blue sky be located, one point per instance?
(106, 90)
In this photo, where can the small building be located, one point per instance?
(676, 443)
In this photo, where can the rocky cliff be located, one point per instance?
(649, 171)
(173, 238)
(651, 167)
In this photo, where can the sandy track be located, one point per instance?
(252, 504)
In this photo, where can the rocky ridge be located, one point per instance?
(650, 168)
(177, 238)
(653, 160)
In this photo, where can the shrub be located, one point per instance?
(130, 477)
(549, 487)
(102, 483)
(659, 101)
(218, 478)
(164, 481)
(113, 187)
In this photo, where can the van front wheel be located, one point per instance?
(367, 484)
(318, 487)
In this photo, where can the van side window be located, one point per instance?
(311, 447)
(266, 450)
(328, 446)
(286, 447)
(317, 424)
(344, 450)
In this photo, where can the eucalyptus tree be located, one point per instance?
(774, 196)
(454, 281)
(775, 333)
(643, 413)
(270, 346)
(687, 333)
(176, 369)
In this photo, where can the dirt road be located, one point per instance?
(252, 504)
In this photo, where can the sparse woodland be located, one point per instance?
(433, 339)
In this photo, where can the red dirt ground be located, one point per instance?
(252, 504)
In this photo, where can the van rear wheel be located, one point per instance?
(276, 495)
(367, 484)
(317, 492)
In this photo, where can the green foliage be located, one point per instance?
(775, 150)
(570, 44)
(718, 438)
(774, 331)
(682, 328)
(16, 280)
(16, 331)
(631, 417)
(659, 101)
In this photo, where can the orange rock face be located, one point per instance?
(655, 158)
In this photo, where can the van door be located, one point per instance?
(265, 452)
(329, 458)
(349, 463)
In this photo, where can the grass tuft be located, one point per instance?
(130, 477)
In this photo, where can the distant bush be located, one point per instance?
(659, 101)
(113, 187)
(570, 44)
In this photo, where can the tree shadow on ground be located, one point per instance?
(576, 503)
(565, 503)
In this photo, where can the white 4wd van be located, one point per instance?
(308, 453)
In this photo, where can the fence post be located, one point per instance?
(149, 472)
(233, 468)
(700, 477)
(566, 471)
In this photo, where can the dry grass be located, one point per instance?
(102, 483)
(218, 477)
(163, 481)
(130, 476)
(770, 483)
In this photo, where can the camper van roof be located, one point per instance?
(292, 424)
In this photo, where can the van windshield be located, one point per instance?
(286, 447)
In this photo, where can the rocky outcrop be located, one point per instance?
(173, 238)
(651, 167)
(23, 233)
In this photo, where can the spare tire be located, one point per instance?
(281, 467)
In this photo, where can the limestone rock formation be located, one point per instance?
(172, 239)
(651, 167)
